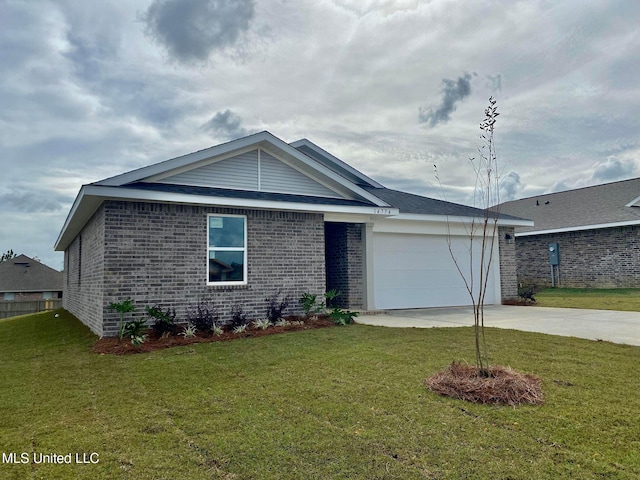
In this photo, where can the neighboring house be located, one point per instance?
(597, 229)
(23, 278)
(240, 221)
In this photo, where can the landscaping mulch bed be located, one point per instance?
(520, 302)
(113, 345)
(504, 386)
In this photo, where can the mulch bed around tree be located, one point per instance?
(520, 302)
(504, 386)
(112, 345)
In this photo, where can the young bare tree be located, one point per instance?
(483, 230)
(482, 383)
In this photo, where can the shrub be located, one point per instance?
(163, 322)
(238, 316)
(203, 316)
(126, 306)
(330, 295)
(342, 317)
(309, 304)
(527, 292)
(276, 306)
(135, 330)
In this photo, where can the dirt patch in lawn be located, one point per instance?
(113, 345)
(504, 386)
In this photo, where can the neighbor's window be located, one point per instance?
(227, 250)
(9, 296)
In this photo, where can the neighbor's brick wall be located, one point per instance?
(508, 268)
(602, 258)
(345, 263)
(83, 274)
(157, 253)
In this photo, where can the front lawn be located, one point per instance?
(627, 299)
(344, 402)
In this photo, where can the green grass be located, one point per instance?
(627, 299)
(344, 402)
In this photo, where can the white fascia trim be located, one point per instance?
(116, 193)
(70, 216)
(336, 160)
(502, 222)
(579, 228)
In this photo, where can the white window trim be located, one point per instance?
(228, 249)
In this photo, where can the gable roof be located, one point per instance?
(257, 171)
(24, 274)
(600, 206)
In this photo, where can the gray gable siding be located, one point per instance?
(239, 172)
(256, 170)
(276, 176)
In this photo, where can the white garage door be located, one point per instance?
(415, 271)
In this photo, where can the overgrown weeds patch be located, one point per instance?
(503, 386)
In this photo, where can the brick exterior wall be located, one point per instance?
(602, 258)
(508, 265)
(345, 263)
(156, 254)
(83, 274)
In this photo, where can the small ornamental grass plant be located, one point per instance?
(240, 328)
(262, 324)
(189, 331)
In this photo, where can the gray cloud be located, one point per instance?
(495, 82)
(510, 186)
(227, 125)
(453, 91)
(25, 200)
(613, 169)
(191, 30)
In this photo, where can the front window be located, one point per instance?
(227, 250)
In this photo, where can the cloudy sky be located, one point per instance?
(93, 89)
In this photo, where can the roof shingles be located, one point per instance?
(599, 205)
(23, 274)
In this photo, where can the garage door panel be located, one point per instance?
(415, 278)
(413, 271)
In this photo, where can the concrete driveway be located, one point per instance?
(613, 326)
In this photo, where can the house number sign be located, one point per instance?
(382, 211)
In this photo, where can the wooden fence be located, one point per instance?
(24, 307)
